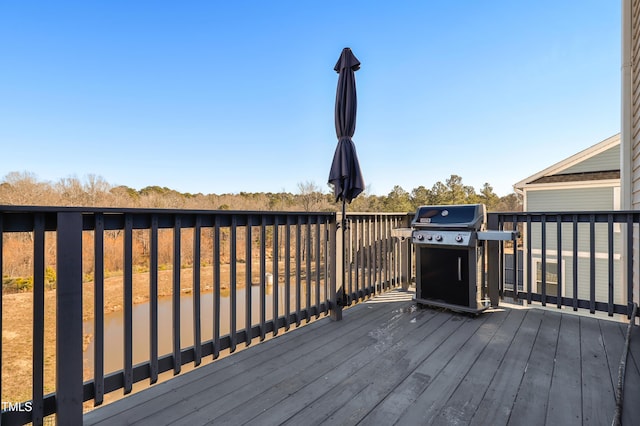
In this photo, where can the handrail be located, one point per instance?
(69, 225)
(591, 252)
(301, 251)
(298, 248)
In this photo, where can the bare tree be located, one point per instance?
(310, 195)
(23, 188)
(97, 190)
(71, 191)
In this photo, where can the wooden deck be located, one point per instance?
(388, 362)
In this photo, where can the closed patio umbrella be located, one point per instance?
(345, 175)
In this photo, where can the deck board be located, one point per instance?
(353, 397)
(598, 395)
(498, 400)
(424, 375)
(390, 363)
(401, 365)
(565, 394)
(464, 402)
(413, 382)
(531, 403)
(468, 345)
(250, 379)
(632, 380)
(338, 360)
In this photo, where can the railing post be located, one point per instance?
(335, 283)
(69, 319)
(405, 256)
(493, 260)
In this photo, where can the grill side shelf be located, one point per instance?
(498, 235)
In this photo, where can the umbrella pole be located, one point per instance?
(345, 301)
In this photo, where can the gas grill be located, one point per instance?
(449, 253)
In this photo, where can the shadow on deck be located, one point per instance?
(389, 362)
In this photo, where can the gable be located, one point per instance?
(596, 163)
(604, 161)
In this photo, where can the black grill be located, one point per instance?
(449, 256)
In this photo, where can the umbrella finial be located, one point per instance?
(347, 60)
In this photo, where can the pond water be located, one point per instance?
(114, 325)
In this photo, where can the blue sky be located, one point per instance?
(222, 97)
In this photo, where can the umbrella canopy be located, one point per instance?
(345, 174)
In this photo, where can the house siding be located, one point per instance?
(631, 121)
(584, 257)
(607, 160)
(635, 104)
(576, 199)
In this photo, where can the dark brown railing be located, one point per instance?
(269, 271)
(238, 276)
(579, 260)
(374, 260)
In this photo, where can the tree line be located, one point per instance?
(24, 188)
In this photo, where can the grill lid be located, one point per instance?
(464, 216)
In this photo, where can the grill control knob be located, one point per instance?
(429, 237)
(438, 237)
(420, 237)
(459, 238)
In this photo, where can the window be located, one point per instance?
(551, 277)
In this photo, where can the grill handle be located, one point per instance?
(459, 268)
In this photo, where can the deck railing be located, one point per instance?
(374, 261)
(578, 260)
(238, 276)
(265, 272)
